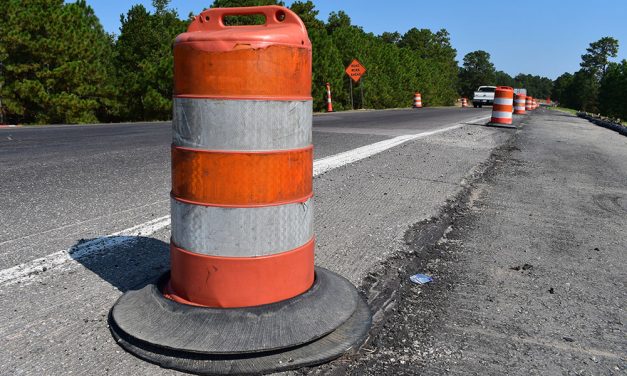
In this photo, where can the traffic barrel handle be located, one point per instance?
(213, 19)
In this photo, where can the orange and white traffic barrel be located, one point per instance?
(242, 163)
(503, 104)
(329, 103)
(417, 100)
(464, 102)
(529, 103)
(519, 104)
(242, 242)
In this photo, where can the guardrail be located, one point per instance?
(605, 122)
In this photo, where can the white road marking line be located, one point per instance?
(23, 272)
(338, 160)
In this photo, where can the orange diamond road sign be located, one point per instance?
(355, 70)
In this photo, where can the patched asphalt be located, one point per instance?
(528, 265)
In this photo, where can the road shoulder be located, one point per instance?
(529, 276)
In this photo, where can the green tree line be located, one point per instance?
(58, 65)
(478, 70)
(600, 86)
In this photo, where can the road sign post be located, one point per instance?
(361, 88)
(350, 83)
(355, 70)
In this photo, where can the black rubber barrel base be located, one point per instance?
(497, 125)
(312, 328)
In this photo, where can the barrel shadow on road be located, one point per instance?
(484, 124)
(126, 262)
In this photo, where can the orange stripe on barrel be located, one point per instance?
(228, 74)
(502, 107)
(227, 282)
(242, 179)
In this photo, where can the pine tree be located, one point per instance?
(613, 90)
(56, 63)
(477, 70)
(145, 62)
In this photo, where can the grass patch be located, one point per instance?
(564, 109)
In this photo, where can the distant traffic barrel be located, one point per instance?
(417, 100)
(242, 294)
(529, 103)
(464, 102)
(519, 104)
(502, 107)
(329, 102)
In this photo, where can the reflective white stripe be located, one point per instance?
(505, 101)
(519, 101)
(502, 115)
(519, 107)
(241, 232)
(217, 124)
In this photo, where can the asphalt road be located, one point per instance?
(78, 186)
(61, 184)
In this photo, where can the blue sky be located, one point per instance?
(530, 36)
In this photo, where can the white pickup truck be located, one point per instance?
(483, 95)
